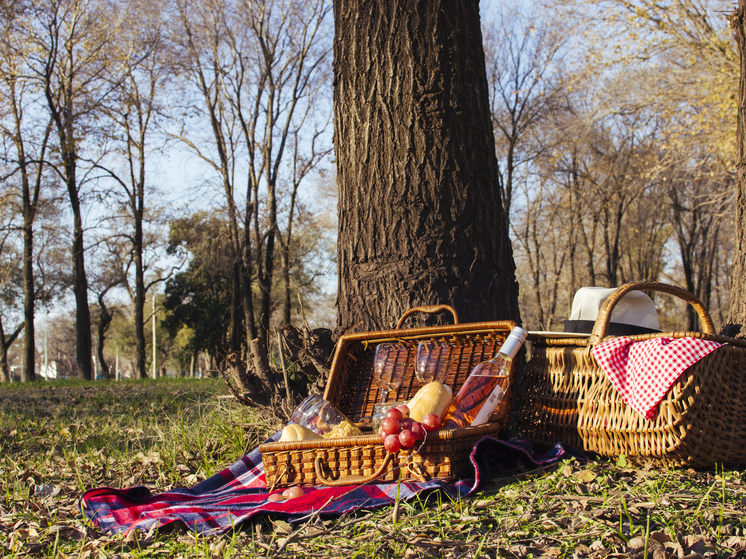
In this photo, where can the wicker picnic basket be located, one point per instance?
(701, 421)
(361, 459)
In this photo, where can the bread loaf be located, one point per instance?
(434, 397)
(294, 432)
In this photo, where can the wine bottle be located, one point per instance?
(485, 387)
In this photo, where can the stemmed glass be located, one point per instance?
(388, 368)
(433, 360)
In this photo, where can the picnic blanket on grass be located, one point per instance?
(233, 496)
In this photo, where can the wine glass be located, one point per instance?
(388, 367)
(433, 360)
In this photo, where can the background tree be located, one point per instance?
(132, 108)
(255, 68)
(200, 297)
(29, 142)
(736, 319)
(420, 212)
(525, 82)
(11, 289)
(67, 54)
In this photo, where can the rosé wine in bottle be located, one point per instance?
(484, 388)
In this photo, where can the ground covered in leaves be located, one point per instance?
(59, 439)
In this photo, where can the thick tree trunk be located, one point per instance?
(420, 214)
(737, 305)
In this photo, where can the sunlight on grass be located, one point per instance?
(58, 440)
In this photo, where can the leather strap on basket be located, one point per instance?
(601, 327)
(428, 309)
(349, 480)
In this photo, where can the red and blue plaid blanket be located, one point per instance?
(231, 497)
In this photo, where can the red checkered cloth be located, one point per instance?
(643, 372)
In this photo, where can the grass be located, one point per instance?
(59, 439)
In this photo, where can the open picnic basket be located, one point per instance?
(701, 421)
(361, 459)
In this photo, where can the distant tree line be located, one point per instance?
(94, 96)
(614, 134)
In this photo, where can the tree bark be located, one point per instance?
(140, 368)
(5, 343)
(83, 346)
(28, 373)
(734, 324)
(420, 214)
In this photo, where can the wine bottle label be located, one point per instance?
(489, 406)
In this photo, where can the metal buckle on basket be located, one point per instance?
(419, 471)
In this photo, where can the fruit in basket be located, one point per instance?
(431, 422)
(418, 431)
(395, 413)
(392, 443)
(390, 426)
(433, 398)
(407, 438)
(404, 409)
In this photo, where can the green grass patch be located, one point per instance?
(59, 439)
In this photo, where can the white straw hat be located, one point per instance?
(634, 314)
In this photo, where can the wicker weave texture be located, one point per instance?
(700, 422)
(352, 388)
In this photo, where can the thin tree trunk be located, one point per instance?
(737, 304)
(140, 349)
(29, 298)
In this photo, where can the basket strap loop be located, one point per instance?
(349, 480)
(428, 309)
(601, 327)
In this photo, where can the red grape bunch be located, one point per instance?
(399, 431)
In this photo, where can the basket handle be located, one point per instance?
(349, 480)
(428, 309)
(601, 327)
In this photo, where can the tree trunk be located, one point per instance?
(29, 298)
(736, 320)
(140, 359)
(420, 215)
(83, 350)
(5, 343)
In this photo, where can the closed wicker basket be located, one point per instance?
(567, 397)
(355, 460)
